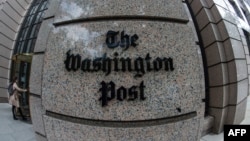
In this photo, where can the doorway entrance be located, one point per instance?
(21, 65)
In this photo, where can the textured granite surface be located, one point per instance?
(73, 9)
(77, 93)
(41, 138)
(37, 112)
(173, 108)
(36, 74)
(59, 130)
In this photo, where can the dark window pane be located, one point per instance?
(37, 29)
(25, 34)
(30, 27)
(38, 2)
(21, 33)
(21, 49)
(247, 35)
(35, 9)
(32, 31)
(28, 46)
(44, 5)
(30, 20)
(17, 47)
(236, 9)
(38, 17)
(27, 21)
(33, 44)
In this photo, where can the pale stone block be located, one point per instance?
(4, 82)
(238, 91)
(73, 96)
(246, 50)
(12, 13)
(218, 75)
(204, 17)
(4, 93)
(218, 96)
(23, 3)
(248, 87)
(58, 129)
(248, 59)
(228, 30)
(215, 53)
(6, 41)
(7, 31)
(220, 116)
(241, 31)
(4, 72)
(75, 9)
(243, 40)
(207, 125)
(5, 52)
(52, 8)
(17, 7)
(210, 3)
(219, 2)
(197, 5)
(62, 88)
(237, 70)
(8, 21)
(4, 62)
(43, 35)
(210, 34)
(236, 114)
(191, 24)
(37, 111)
(234, 49)
(40, 138)
(36, 74)
(220, 13)
(28, 1)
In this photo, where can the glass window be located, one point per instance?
(25, 43)
(30, 27)
(24, 34)
(38, 17)
(247, 35)
(236, 9)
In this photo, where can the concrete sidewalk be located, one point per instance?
(18, 130)
(14, 130)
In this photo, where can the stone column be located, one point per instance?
(159, 98)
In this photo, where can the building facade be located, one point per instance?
(109, 70)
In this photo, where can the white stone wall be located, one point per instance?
(12, 13)
(227, 57)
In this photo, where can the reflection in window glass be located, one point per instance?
(236, 9)
(33, 31)
(28, 33)
(247, 35)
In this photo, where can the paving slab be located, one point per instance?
(14, 130)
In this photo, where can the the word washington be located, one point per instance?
(139, 65)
